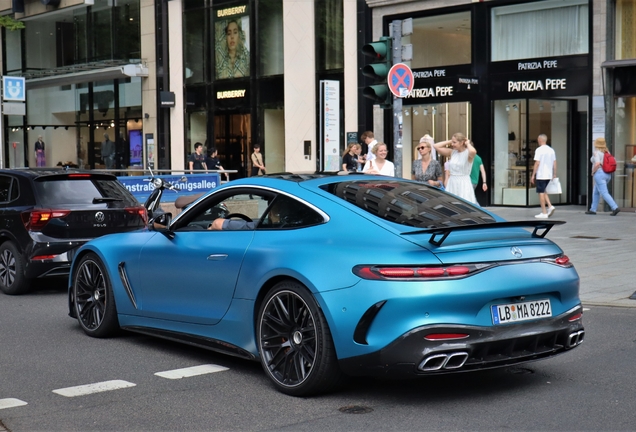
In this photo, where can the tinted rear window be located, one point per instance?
(53, 193)
(409, 203)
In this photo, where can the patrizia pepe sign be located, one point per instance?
(551, 77)
(537, 85)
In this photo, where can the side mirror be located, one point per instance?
(161, 222)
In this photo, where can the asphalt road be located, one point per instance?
(43, 351)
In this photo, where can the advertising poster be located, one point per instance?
(330, 130)
(232, 42)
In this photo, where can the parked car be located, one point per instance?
(337, 275)
(46, 214)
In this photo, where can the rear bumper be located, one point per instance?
(484, 348)
(58, 265)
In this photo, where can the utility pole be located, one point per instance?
(396, 30)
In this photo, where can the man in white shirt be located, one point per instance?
(370, 141)
(545, 169)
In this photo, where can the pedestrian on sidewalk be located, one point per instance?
(544, 170)
(601, 179)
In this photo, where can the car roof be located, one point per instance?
(34, 173)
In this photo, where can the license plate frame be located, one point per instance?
(511, 313)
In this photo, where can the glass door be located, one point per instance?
(517, 124)
(232, 139)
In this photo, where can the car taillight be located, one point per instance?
(35, 220)
(139, 211)
(79, 175)
(417, 273)
(575, 317)
(562, 261)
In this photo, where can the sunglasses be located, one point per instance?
(422, 147)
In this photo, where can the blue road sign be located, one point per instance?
(13, 88)
(400, 80)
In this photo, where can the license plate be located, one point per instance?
(517, 312)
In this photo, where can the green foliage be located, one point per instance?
(10, 23)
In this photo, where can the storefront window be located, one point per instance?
(194, 49)
(441, 40)
(440, 121)
(625, 29)
(232, 41)
(624, 188)
(540, 29)
(270, 41)
(329, 34)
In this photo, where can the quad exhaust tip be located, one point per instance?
(444, 361)
(575, 338)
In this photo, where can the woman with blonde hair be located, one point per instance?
(426, 169)
(380, 165)
(601, 178)
(461, 155)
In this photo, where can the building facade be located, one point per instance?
(157, 77)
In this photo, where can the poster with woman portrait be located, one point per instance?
(231, 36)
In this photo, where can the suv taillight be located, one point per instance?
(35, 220)
(140, 211)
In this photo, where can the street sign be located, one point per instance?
(400, 80)
(13, 88)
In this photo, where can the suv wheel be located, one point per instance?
(12, 279)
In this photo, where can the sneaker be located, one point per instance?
(615, 211)
(551, 210)
(542, 216)
(590, 212)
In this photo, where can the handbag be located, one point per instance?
(554, 187)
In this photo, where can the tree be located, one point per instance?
(10, 23)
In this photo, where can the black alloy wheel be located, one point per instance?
(93, 298)
(295, 343)
(12, 279)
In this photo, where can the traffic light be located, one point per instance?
(382, 53)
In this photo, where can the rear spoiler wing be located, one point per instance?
(439, 234)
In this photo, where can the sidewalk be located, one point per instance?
(602, 249)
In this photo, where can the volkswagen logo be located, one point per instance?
(516, 252)
(99, 217)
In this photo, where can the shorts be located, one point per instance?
(541, 185)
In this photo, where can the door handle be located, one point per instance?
(217, 257)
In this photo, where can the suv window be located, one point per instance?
(8, 189)
(409, 203)
(56, 192)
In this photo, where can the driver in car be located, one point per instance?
(221, 224)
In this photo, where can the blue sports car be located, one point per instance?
(323, 276)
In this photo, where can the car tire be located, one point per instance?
(294, 342)
(93, 298)
(12, 278)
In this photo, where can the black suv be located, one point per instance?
(46, 214)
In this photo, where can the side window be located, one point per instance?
(6, 194)
(285, 212)
(237, 207)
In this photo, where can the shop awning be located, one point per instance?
(618, 63)
(76, 75)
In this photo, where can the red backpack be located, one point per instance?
(609, 163)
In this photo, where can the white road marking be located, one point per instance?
(93, 388)
(10, 403)
(191, 371)
(586, 309)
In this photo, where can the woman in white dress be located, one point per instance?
(379, 165)
(461, 155)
